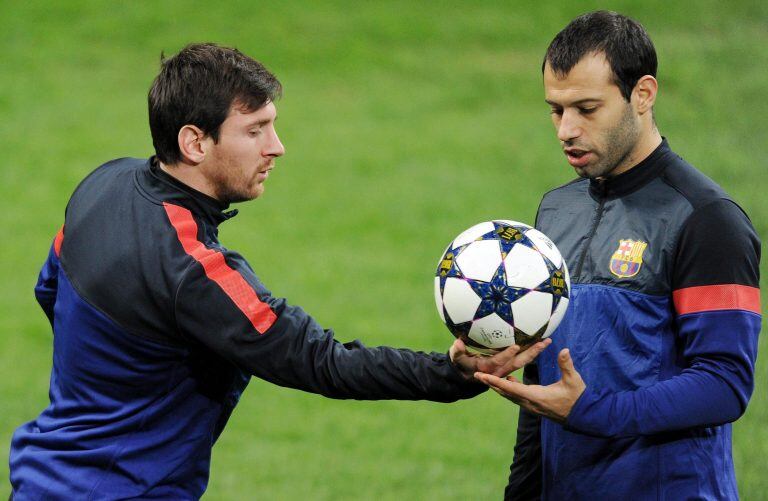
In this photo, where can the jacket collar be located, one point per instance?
(633, 179)
(163, 187)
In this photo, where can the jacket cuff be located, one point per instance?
(590, 414)
(469, 386)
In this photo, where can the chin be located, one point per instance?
(256, 191)
(246, 193)
(593, 171)
(237, 197)
(252, 195)
(585, 173)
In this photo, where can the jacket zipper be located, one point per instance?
(592, 232)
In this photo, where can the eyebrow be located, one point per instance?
(261, 122)
(576, 103)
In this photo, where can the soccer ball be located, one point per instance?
(501, 283)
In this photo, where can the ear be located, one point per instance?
(644, 94)
(192, 144)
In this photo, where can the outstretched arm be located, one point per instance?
(237, 318)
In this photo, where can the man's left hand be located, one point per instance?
(554, 401)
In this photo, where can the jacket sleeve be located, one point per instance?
(525, 474)
(717, 306)
(48, 279)
(226, 308)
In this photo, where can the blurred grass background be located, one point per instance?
(404, 123)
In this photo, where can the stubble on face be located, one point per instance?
(239, 168)
(618, 145)
(231, 182)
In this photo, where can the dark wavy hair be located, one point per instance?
(624, 41)
(198, 86)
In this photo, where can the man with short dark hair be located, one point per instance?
(158, 328)
(655, 356)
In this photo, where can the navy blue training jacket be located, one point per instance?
(157, 331)
(662, 326)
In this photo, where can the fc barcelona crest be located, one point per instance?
(628, 258)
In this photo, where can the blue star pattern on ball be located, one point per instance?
(496, 296)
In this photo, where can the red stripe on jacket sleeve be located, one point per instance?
(716, 297)
(216, 268)
(58, 241)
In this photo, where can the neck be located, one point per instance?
(640, 152)
(191, 175)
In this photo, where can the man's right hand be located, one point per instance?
(500, 365)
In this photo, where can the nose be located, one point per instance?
(569, 126)
(274, 148)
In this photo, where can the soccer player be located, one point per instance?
(655, 356)
(158, 327)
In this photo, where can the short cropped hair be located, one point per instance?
(198, 86)
(624, 42)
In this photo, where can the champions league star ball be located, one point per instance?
(501, 283)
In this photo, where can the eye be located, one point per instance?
(254, 132)
(556, 111)
(587, 111)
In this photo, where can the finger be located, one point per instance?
(527, 397)
(458, 349)
(505, 355)
(512, 378)
(521, 359)
(520, 402)
(511, 389)
(499, 391)
(531, 353)
(484, 378)
(565, 362)
(503, 358)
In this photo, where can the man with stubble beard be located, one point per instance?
(655, 356)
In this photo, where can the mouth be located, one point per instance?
(264, 173)
(578, 157)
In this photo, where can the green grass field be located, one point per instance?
(403, 124)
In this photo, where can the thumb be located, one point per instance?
(457, 350)
(565, 362)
